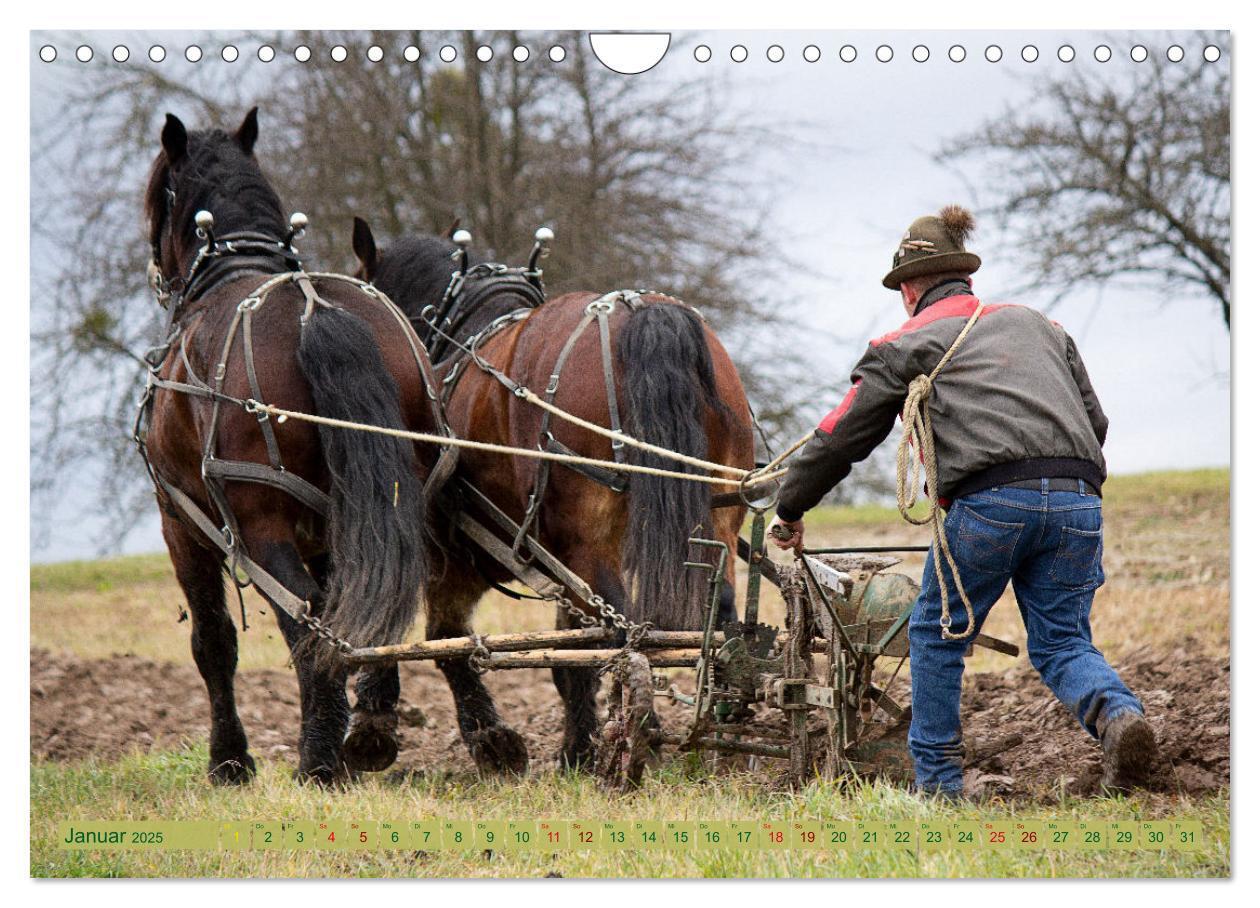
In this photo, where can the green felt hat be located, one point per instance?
(934, 244)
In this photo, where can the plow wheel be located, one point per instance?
(627, 738)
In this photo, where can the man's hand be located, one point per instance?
(788, 534)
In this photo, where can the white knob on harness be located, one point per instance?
(298, 221)
(204, 220)
(461, 238)
(544, 235)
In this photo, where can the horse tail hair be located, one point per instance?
(667, 382)
(375, 524)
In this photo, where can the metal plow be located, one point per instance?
(816, 693)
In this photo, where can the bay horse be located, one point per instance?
(677, 388)
(329, 519)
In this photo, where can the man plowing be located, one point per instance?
(1010, 434)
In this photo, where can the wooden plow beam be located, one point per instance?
(665, 649)
(544, 649)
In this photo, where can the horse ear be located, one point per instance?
(365, 249)
(247, 134)
(450, 231)
(174, 139)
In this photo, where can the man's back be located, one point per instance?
(1015, 391)
(1013, 403)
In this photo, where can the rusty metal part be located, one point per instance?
(626, 740)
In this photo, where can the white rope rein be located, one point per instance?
(745, 476)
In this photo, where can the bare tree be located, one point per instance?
(643, 181)
(1099, 182)
(644, 186)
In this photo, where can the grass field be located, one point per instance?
(1168, 563)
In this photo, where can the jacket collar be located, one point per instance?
(944, 290)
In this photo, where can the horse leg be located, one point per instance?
(372, 744)
(200, 575)
(578, 687)
(325, 707)
(494, 746)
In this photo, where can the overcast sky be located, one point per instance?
(845, 196)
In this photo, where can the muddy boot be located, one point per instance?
(1129, 752)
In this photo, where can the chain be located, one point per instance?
(324, 633)
(634, 632)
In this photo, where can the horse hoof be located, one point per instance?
(498, 749)
(578, 755)
(372, 744)
(234, 771)
(322, 776)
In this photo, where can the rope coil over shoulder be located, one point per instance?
(916, 433)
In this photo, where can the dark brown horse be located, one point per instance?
(676, 388)
(347, 534)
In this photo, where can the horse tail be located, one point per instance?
(667, 381)
(375, 523)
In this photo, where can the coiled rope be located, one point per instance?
(916, 433)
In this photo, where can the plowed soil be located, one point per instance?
(101, 709)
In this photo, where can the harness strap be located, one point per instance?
(610, 385)
(616, 480)
(288, 602)
(471, 355)
(502, 553)
(542, 471)
(277, 477)
(547, 561)
(255, 391)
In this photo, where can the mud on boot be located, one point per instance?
(498, 749)
(1129, 752)
(372, 743)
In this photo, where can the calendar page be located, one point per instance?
(666, 453)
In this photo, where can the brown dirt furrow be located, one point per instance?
(101, 709)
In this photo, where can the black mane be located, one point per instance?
(220, 177)
(415, 270)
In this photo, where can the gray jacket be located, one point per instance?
(1014, 403)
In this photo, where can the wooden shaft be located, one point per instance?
(452, 647)
(553, 641)
(576, 658)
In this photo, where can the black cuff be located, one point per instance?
(787, 515)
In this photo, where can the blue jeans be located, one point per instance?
(1049, 545)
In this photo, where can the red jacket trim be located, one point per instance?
(952, 307)
(828, 424)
